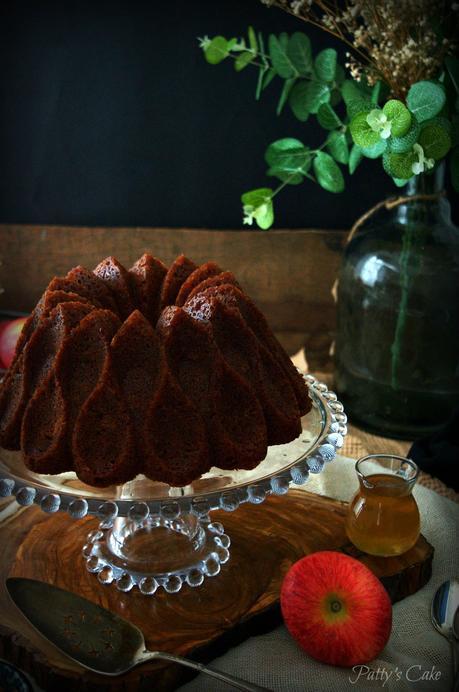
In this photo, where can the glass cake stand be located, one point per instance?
(152, 535)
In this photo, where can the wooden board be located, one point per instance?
(202, 622)
(289, 274)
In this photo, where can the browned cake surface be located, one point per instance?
(218, 280)
(117, 279)
(202, 273)
(147, 276)
(178, 272)
(155, 370)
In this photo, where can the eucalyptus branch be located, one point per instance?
(409, 135)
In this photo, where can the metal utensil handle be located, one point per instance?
(229, 679)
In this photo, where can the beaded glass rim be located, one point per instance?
(323, 450)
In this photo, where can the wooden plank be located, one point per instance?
(289, 274)
(243, 600)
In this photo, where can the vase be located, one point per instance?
(397, 345)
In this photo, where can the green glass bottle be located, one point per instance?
(397, 346)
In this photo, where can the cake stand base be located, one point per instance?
(156, 552)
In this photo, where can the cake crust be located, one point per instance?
(162, 371)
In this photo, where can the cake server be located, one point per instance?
(92, 636)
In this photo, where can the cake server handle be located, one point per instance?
(225, 677)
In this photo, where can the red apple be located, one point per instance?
(336, 609)
(9, 335)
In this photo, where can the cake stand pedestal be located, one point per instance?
(152, 536)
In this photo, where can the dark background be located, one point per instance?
(111, 116)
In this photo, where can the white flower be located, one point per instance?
(296, 6)
(249, 214)
(204, 42)
(422, 164)
(379, 122)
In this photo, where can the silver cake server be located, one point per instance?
(92, 636)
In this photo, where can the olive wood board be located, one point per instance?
(242, 601)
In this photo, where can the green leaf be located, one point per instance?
(356, 107)
(335, 97)
(217, 50)
(231, 43)
(338, 147)
(297, 101)
(445, 123)
(261, 73)
(352, 92)
(299, 52)
(283, 40)
(435, 140)
(288, 155)
(325, 65)
(314, 95)
(258, 205)
(425, 100)
(257, 197)
(279, 57)
(375, 151)
(327, 117)
(238, 46)
(290, 178)
(252, 40)
(268, 78)
(261, 42)
(400, 145)
(355, 157)
(328, 173)
(288, 84)
(399, 115)
(375, 94)
(361, 132)
(307, 97)
(399, 165)
(400, 182)
(340, 75)
(454, 168)
(242, 60)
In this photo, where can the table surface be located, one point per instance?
(415, 659)
(376, 444)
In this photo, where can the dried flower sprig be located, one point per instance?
(398, 42)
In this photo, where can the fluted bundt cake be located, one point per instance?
(155, 370)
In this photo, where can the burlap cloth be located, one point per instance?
(415, 650)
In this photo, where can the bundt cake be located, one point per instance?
(153, 370)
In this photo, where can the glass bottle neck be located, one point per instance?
(431, 204)
(427, 183)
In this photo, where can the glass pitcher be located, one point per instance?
(383, 517)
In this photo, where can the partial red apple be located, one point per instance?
(336, 609)
(9, 335)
